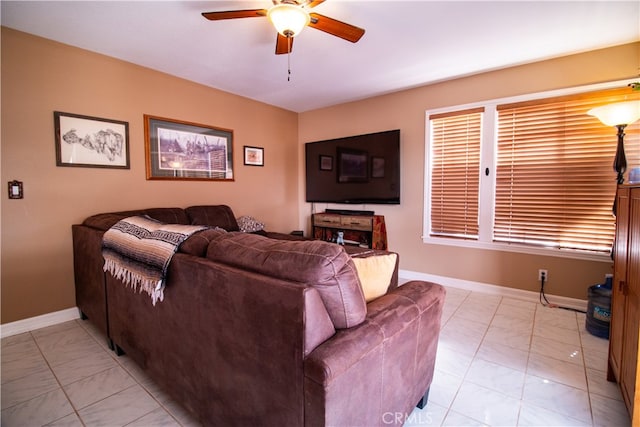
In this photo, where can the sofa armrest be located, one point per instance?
(390, 357)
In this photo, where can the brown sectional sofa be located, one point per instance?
(268, 328)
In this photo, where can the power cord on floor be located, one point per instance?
(543, 298)
(545, 302)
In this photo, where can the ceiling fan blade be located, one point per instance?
(233, 14)
(336, 28)
(314, 3)
(283, 44)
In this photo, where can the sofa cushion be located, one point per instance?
(105, 221)
(213, 216)
(358, 252)
(198, 243)
(324, 266)
(375, 274)
(169, 215)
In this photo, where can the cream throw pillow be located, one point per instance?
(375, 274)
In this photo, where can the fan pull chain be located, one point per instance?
(289, 59)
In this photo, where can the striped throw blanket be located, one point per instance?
(138, 249)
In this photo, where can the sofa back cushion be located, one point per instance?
(213, 216)
(105, 221)
(168, 215)
(324, 266)
(198, 243)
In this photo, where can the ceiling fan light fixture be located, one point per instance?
(288, 19)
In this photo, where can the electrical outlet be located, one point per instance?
(543, 274)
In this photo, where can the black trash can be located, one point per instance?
(599, 309)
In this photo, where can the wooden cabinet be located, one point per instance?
(625, 304)
(362, 230)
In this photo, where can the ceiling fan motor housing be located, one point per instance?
(289, 17)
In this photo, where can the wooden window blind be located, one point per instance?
(555, 183)
(455, 173)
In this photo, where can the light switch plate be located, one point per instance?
(15, 190)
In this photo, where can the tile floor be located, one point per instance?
(501, 362)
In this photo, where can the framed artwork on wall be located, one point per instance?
(253, 156)
(326, 163)
(179, 150)
(94, 142)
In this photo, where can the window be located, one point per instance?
(527, 174)
(455, 147)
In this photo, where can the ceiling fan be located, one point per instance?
(289, 17)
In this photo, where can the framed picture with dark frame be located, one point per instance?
(377, 167)
(326, 163)
(353, 165)
(180, 150)
(92, 142)
(253, 156)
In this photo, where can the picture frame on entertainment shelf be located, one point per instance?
(253, 156)
(181, 150)
(90, 142)
(326, 163)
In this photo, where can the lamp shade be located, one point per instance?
(619, 113)
(288, 19)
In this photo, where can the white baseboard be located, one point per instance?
(521, 294)
(38, 322)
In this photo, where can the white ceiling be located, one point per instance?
(406, 44)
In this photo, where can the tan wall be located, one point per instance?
(406, 111)
(40, 76)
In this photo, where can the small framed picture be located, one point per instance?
(91, 142)
(326, 163)
(253, 156)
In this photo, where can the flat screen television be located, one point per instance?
(361, 169)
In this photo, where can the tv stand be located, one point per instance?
(368, 231)
(352, 212)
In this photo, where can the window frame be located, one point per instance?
(487, 189)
